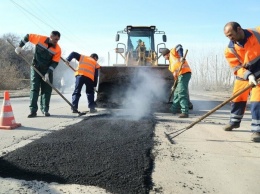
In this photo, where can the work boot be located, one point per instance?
(75, 111)
(255, 137)
(190, 106)
(229, 127)
(183, 115)
(32, 114)
(93, 110)
(47, 114)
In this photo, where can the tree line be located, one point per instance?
(210, 69)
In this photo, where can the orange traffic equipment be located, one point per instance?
(7, 120)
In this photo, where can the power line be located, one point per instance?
(40, 8)
(47, 24)
(26, 14)
(30, 13)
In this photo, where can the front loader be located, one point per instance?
(139, 74)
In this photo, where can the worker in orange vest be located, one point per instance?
(46, 58)
(86, 74)
(243, 56)
(182, 75)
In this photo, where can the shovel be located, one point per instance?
(176, 80)
(180, 131)
(68, 64)
(35, 69)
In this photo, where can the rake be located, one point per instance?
(180, 131)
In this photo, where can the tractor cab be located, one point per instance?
(140, 48)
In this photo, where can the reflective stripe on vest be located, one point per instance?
(86, 68)
(257, 35)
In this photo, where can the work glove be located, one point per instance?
(46, 77)
(18, 50)
(251, 79)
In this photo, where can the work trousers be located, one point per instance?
(238, 105)
(181, 94)
(39, 85)
(80, 81)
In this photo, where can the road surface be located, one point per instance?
(203, 159)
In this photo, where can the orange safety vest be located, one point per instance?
(42, 41)
(87, 66)
(240, 58)
(175, 63)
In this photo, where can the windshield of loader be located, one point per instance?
(137, 38)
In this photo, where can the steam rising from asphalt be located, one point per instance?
(147, 88)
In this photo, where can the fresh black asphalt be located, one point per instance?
(113, 153)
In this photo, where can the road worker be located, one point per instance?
(141, 58)
(183, 76)
(139, 42)
(46, 58)
(243, 56)
(86, 74)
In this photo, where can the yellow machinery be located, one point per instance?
(119, 82)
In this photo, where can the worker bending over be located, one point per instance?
(86, 73)
(182, 74)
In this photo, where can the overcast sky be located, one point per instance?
(90, 26)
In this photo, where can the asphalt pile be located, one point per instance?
(113, 153)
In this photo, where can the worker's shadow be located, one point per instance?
(219, 114)
(231, 141)
(209, 105)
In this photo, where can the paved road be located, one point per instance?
(204, 159)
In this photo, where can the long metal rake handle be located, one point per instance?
(211, 111)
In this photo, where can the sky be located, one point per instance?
(91, 26)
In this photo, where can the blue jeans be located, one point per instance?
(80, 81)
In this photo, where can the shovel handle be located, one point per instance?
(68, 64)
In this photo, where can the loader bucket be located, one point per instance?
(126, 86)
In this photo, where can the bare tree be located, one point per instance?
(14, 69)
